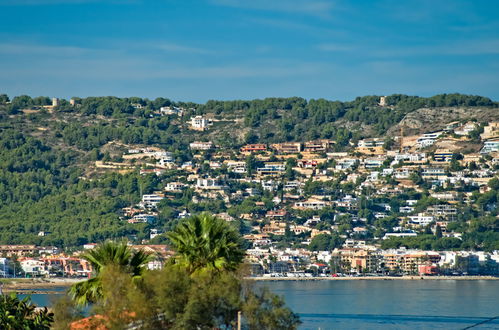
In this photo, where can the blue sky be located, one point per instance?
(244, 49)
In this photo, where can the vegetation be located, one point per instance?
(206, 242)
(22, 314)
(49, 183)
(179, 297)
(109, 254)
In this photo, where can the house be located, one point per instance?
(199, 123)
(277, 215)
(313, 222)
(406, 209)
(271, 169)
(300, 229)
(347, 202)
(372, 146)
(442, 155)
(254, 148)
(466, 129)
(346, 163)
(376, 162)
(175, 186)
(197, 145)
(171, 110)
(421, 219)
(444, 210)
(207, 184)
(490, 146)
(405, 234)
(490, 131)
(292, 185)
(411, 157)
(403, 172)
(275, 227)
(152, 200)
(433, 172)
(312, 204)
(317, 146)
(32, 267)
(305, 163)
(17, 250)
(427, 139)
(237, 166)
(143, 218)
(287, 148)
(445, 195)
(154, 232)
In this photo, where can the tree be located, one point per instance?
(108, 254)
(264, 310)
(250, 164)
(494, 184)
(206, 242)
(325, 242)
(4, 98)
(438, 231)
(22, 314)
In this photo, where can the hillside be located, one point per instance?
(52, 192)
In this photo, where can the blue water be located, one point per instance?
(397, 304)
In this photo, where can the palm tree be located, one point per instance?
(22, 314)
(108, 254)
(206, 242)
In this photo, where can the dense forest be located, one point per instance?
(48, 196)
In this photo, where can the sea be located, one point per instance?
(384, 304)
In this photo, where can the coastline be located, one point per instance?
(32, 286)
(376, 278)
(48, 286)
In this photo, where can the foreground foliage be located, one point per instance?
(109, 254)
(203, 288)
(22, 314)
(204, 241)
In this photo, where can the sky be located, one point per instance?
(193, 50)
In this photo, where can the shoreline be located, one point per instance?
(44, 286)
(376, 278)
(24, 286)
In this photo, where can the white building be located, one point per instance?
(311, 203)
(421, 219)
(208, 184)
(171, 111)
(466, 129)
(143, 218)
(199, 123)
(490, 146)
(175, 186)
(154, 232)
(427, 139)
(33, 267)
(152, 199)
(408, 234)
(237, 166)
(197, 145)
